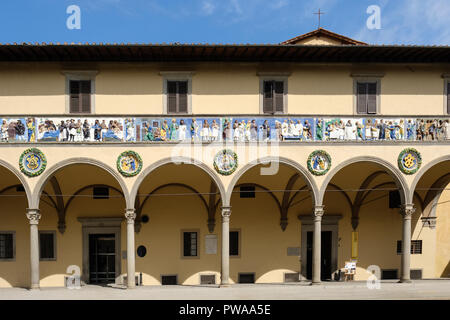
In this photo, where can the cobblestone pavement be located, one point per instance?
(419, 289)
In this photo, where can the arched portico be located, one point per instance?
(21, 178)
(368, 175)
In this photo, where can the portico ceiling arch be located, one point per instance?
(266, 160)
(21, 178)
(390, 169)
(58, 166)
(176, 160)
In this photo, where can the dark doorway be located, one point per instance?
(102, 258)
(325, 266)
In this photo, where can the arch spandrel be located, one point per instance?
(21, 177)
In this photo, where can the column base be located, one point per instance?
(131, 287)
(405, 281)
(224, 285)
(315, 283)
(35, 287)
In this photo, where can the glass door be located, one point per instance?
(102, 258)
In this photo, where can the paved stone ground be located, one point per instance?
(419, 289)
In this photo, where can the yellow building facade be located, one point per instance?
(223, 164)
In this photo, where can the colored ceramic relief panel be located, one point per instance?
(409, 161)
(343, 129)
(129, 163)
(18, 130)
(319, 162)
(432, 129)
(178, 129)
(83, 129)
(225, 162)
(32, 162)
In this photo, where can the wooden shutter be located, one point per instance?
(74, 87)
(85, 96)
(268, 97)
(372, 98)
(448, 97)
(361, 97)
(279, 96)
(171, 96)
(182, 96)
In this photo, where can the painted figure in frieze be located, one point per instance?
(242, 126)
(446, 129)
(104, 130)
(319, 130)
(284, 129)
(349, 131)
(401, 130)
(4, 132)
(86, 130)
(31, 130)
(173, 129)
(215, 131)
(236, 130)
(368, 130)
(382, 130)
(278, 131)
(194, 130)
(410, 130)
(164, 131)
(182, 130)
(266, 130)
(253, 131)
(359, 131)
(307, 134)
(20, 131)
(205, 131)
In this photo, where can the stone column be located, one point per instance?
(316, 262)
(406, 211)
(33, 216)
(226, 212)
(131, 216)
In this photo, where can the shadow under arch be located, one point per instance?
(425, 169)
(21, 178)
(176, 160)
(67, 162)
(266, 160)
(391, 170)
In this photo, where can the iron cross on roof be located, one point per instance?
(319, 13)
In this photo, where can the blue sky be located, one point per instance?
(222, 21)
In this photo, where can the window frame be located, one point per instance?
(182, 232)
(80, 75)
(366, 78)
(52, 232)
(13, 244)
(400, 245)
(446, 77)
(177, 76)
(239, 243)
(273, 76)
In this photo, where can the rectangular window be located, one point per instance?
(80, 96)
(190, 244)
(273, 96)
(234, 243)
(416, 247)
(366, 97)
(100, 193)
(247, 192)
(448, 97)
(47, 245)
(177, 96)
(7, 245)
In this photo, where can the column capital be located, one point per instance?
(226, 212)
(130, 214)
(318, 211)
(407, 210)
(33, 215)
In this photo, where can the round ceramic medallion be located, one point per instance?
(409, 161)
(129, 163)
(319, 162)
(225, 162)
(32, 162)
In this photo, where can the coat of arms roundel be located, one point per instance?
(319, 162)
(409, 161)
(32, 162)
(225, 162)
(129, 163)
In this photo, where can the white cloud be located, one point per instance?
(208, 7)
(411, 22)
(279, 4)
(236, 6)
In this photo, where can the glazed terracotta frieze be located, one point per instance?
(210, 129)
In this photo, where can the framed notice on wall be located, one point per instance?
(354, 245)
(211, 244)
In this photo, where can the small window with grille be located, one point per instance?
(47, 247)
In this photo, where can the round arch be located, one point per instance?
(21, 178)
(303, 172)
(67, 162)
(425, 169)
(392, 171)
(176, 160)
